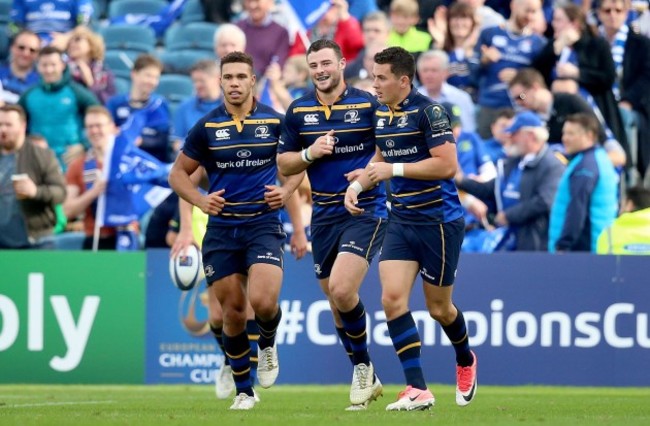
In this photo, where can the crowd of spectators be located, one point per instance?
(525, 82)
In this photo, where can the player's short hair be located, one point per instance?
(528, 77)
(325, 44)
(145, 61)
(588, 122)
(237, 58)
(15, 108)
(400, 60)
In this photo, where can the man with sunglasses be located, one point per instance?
(20, 73)
(631, 54)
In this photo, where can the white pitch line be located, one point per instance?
(45, 404)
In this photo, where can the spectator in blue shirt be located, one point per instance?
(20, 73)
(497, 146)
(502, 51)
(141, 114)
(205, 77)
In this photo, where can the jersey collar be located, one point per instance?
(327, 110)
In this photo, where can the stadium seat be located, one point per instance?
(100, 9)
(175, 88)
(195, 36)
(118, 8)
(120, 62)
(132, 38)
(122, 85)
(5, 12)
(193, 12)
(4, 43)
(180, 61)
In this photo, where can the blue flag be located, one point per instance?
(137, 182)
(303, 15)
(307, 12)
(159, 22)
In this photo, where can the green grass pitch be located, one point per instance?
(316, 405)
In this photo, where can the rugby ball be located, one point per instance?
(186, 269)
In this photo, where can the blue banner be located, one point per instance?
(306, 12)
(572, 319)
(159, 22)
(137, 182)
(180, 347)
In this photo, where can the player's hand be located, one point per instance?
(212, 204)
(276, 196)
(353, 175)
(351, 201)
(184, 239)
(322, 146)
(298, 242)
(379, 171)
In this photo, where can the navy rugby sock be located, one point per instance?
(407, 344)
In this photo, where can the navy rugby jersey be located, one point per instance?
(405, 135)
(351, 117)
(240, 157)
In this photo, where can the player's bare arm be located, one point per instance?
(291, 163)
(361, 183)
(442, 164)
(181, 182)
(298, 240)
(277, 196)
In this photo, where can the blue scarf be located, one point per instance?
(618, 51)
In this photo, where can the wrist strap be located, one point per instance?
(356, 187)
(398, 169)
(304, 155)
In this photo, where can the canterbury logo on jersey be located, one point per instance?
(222, 134)
(311, 118)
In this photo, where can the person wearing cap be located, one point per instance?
(586, 201)
(521, 195)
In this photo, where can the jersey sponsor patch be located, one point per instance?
(437, 117)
